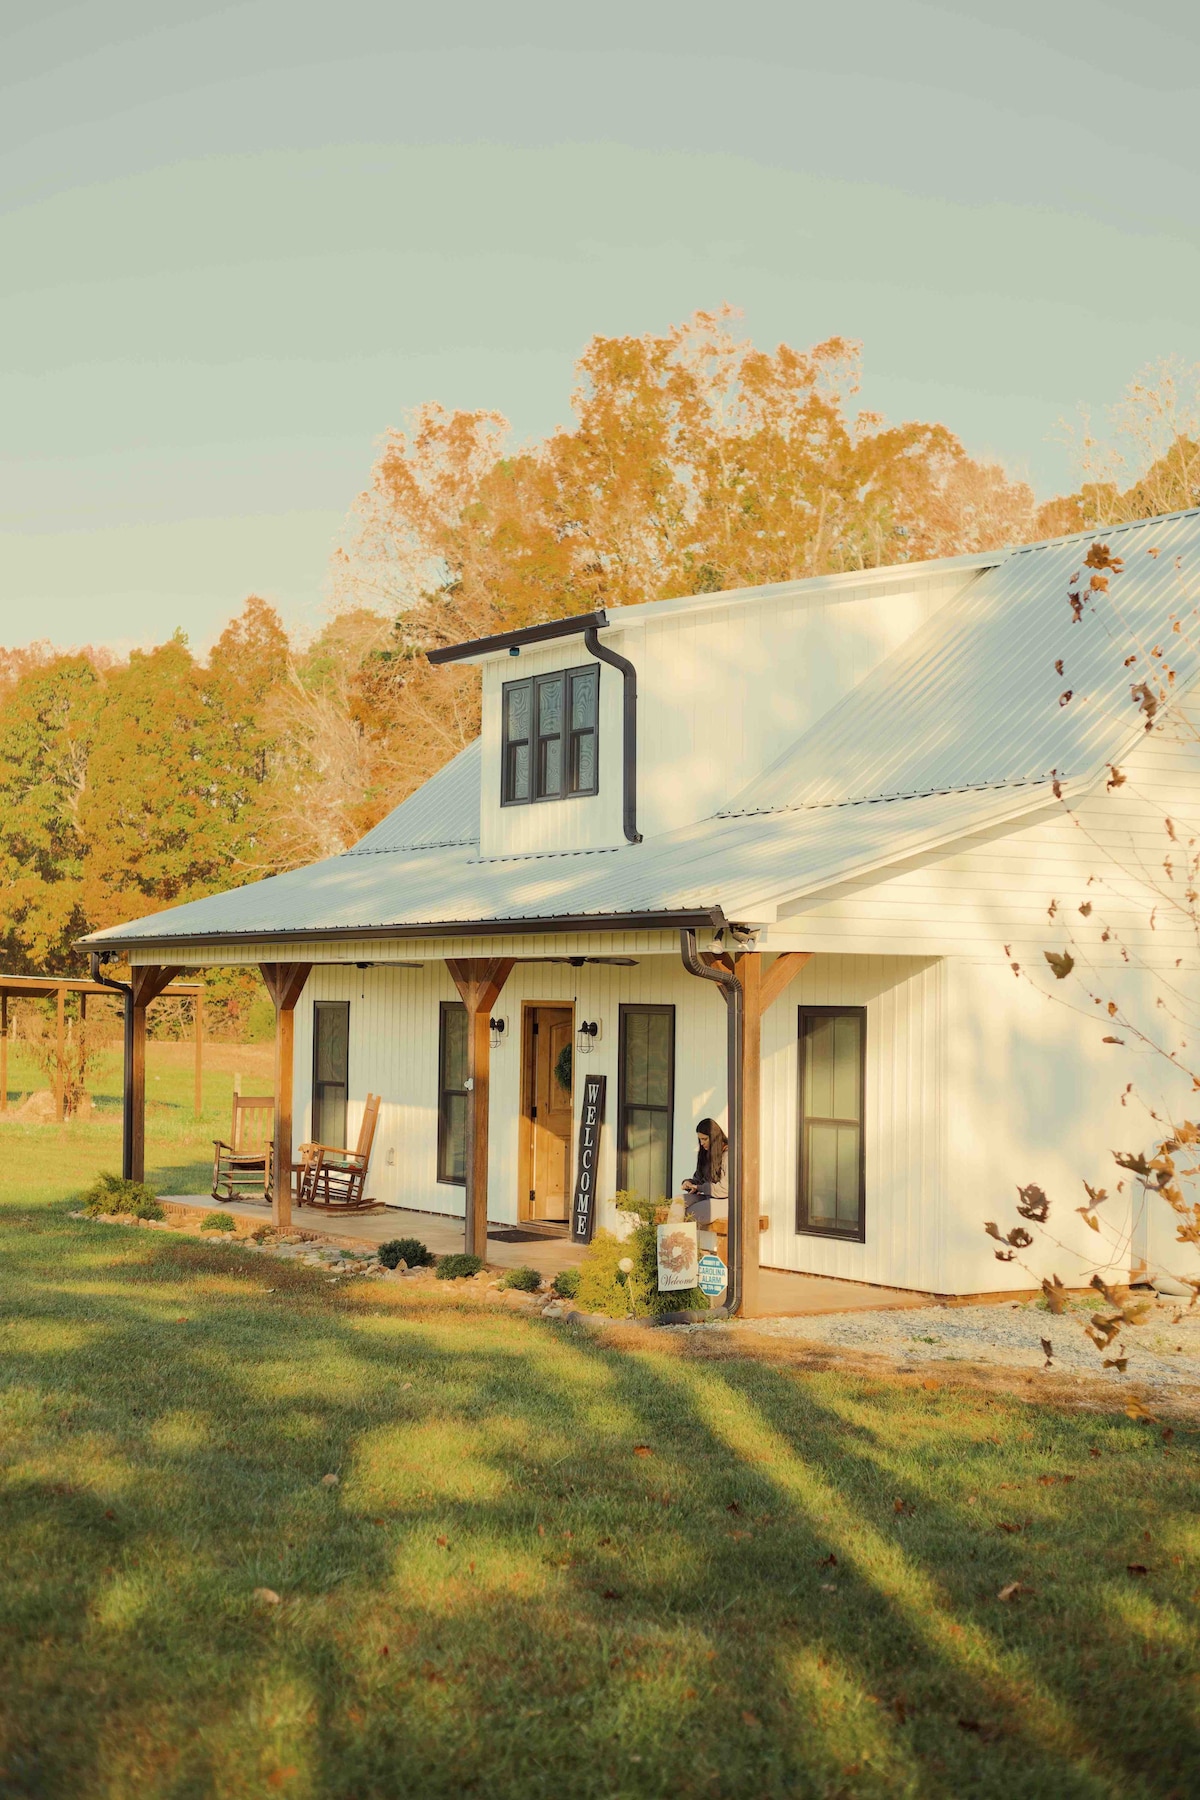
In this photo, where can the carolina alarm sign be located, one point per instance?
(583, 1209)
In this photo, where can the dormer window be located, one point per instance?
(551, 730)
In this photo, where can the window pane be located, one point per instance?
(331, 1047)
(584, 689)
(823, 1175)
(846, 1066)
(518, 772)
(637, 1031)
(517, 697)
(454, 1155)
(550, 770)
(647, 1152)
(583, 763)
(847, 1177)
(818, 1068)
(550, 700)
(454, 1058)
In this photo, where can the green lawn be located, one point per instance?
(550, 1565)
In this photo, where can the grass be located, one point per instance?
(550, 1563)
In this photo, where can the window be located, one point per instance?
(646, 1100)
(331, 1071)
(550, 731)
(833, 1041)
(452, 1093)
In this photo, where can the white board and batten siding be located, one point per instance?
(393, 1052)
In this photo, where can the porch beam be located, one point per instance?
(782, 972)
(479, 980)
(147, 982)
(285, 983)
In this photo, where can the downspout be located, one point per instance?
(591, 638)
(96, 957)
(735, 1008)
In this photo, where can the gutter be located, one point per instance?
(734, 998)
(706, 916)
(629, 728)
(516, 640)
(126, 991)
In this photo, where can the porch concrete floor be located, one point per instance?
(782, 1294)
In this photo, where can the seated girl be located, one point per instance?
(708, 1190)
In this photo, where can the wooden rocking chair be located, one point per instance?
(335, 1179)
(243, 1166)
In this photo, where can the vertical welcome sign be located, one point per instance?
(583, 1209)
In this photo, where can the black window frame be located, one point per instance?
(623, 1012)
(567, 738)
(446, 1008)
(316, 1106)
(803, 1227)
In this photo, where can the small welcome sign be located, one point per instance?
(591, 1118)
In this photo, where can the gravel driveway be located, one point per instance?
(1162, 1353)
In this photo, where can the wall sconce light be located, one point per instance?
(587, 1035)
(498, 1029)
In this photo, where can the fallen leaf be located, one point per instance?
(266, 1597)
(330, 1480)
(1137, 1568)
(902, 1506)
(610, 1594)
(735, 1506)
(1004, 1525)
(642, 1450)
(1168, 1436)
(749, 1718)
(931, 1385)
(277, 1777)
(383, 1650)
(1135, 1410)
(1010, 1590)
(442, 1543)
(900, 1710)
(828, 1562)
(986, 1732)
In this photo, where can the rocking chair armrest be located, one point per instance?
(220, 1144)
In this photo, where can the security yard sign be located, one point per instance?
(712, 1275)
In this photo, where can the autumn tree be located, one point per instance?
(48, 722)
(1141, 462)
(696, 462)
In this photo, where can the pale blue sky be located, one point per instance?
(237, 241)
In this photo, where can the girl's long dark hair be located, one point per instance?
(710, 1165)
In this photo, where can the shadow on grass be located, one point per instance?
(547, 1564)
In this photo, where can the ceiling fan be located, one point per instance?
(577, 962)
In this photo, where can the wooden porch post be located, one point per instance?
(284, 984)
(479, 980)
(3, 1052)
(60, 1096)
(198, 1023)
(760, 989)
(147, 982)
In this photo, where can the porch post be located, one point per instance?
(60, 1085)
(198, 1022)
(479, 980)
(284, 984)
(146, 984)
(760, 989)
(3, 1052)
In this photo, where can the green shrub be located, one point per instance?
(453, 1268)
(601, 1286)
(112, 1194)
(606, 1288)
(526, 1281)
(566, 1284)
(405, 1250)
(215, 1221)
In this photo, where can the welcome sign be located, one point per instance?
(591, 1118)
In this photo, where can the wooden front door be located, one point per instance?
(547, 1053)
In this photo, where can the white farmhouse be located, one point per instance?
(767, 855)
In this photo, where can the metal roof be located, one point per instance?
(972, 699)
(443, 811)
(960, 731)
